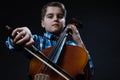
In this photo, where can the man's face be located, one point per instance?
(54, 20)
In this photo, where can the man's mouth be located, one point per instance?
(55, 25)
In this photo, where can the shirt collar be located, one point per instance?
(50, 36)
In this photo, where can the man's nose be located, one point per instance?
(55, 18)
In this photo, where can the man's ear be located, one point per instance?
(42, 23)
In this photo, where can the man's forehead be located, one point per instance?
(52, 9)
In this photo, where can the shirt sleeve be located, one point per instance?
(91, 65)
(9, 44)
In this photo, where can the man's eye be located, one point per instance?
(49, 16)
(60, 16)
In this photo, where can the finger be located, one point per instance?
(30, 42)
(74, 29)
(19, 36)
(21, 42)
(15, 31)
(23, 38)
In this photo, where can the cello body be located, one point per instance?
(72, 60)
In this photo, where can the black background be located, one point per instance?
(100, 33)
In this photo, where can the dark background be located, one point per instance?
(100, 33)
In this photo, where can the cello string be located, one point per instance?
(58, 46)
(55, 53)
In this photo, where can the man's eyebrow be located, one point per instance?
(49, 14)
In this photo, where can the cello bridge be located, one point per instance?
(41, 76)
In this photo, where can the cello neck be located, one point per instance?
(56, 51)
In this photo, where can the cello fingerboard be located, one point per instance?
(41, 76)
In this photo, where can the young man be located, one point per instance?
(53, 21)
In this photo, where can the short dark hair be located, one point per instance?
(54, 4)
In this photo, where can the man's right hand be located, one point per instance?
(22, 36)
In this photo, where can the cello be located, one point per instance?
(70, 60)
